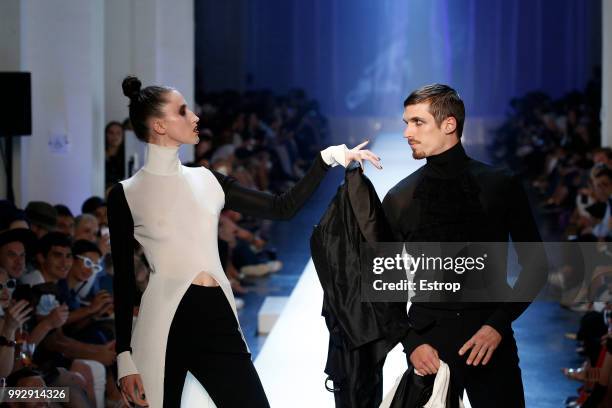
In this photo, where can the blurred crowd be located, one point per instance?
(555, 145)
(56, 272)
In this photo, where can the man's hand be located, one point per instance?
(483, 344)
(106, 310)
(57, 317)
(105, 353)
(104, 245)
(425, 359)
(100, 301)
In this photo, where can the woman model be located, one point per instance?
(187, 318)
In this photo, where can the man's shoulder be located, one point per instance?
(497, 172)
(32, 278)
(407, 184)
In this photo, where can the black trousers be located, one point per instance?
(204, 340)
(497, 384)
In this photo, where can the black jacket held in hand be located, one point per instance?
(361, 333)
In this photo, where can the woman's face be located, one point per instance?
(114, 136)
(5, 293)
(179, 124)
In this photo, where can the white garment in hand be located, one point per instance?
(438, 395)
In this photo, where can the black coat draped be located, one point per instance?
(361, 333)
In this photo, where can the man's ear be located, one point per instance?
(40, 259)
(450, 125)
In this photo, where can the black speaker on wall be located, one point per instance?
(15, 104)
(15, 117)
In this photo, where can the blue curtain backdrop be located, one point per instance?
(362, 57)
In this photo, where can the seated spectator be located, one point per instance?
(42, 217)
(87, 227)
(81, 323)
(26, 377)
(15, 317)
(96, 206)
(54, 259)
(65, 220)
(12, 317)
(14, 245)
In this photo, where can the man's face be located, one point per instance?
(79, 271)
(87, 229)
(101, 215)
(423, 134)
(65, 224)
(39, 230)
(601, 157)
(12, 258)
(603, 187)
(57, 263)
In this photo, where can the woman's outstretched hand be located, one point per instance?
(360, 155)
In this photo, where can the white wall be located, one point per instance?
(154, 40)
(78, 53)
(117, 56)
(61, 45)
(606, 56)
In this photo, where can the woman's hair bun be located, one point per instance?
(131, 86)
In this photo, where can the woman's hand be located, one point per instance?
(16, 316)
(132, 390)
(360, 155)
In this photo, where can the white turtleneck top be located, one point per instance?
(172, 211)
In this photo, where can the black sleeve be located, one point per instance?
(531, 258)
(265, 205)
(393, 207)
(391, 210)
(121, 227)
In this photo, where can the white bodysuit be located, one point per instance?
(172, 211)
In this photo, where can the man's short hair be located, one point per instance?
(83, 246)
(443, 101)
(13, 379)
(602, 171)
(92, 204)
(84, 217)
(52, 239)
(63, 210)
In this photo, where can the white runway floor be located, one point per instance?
(292, 360)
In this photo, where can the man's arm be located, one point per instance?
(531, 258)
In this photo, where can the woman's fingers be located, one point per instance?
(372, 158)
(125, 400)
(375, 160)
(18, 306)
(372, 153)
(140, 398)
(360, 145)
(23, 315)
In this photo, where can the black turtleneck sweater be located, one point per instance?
(454, 198)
